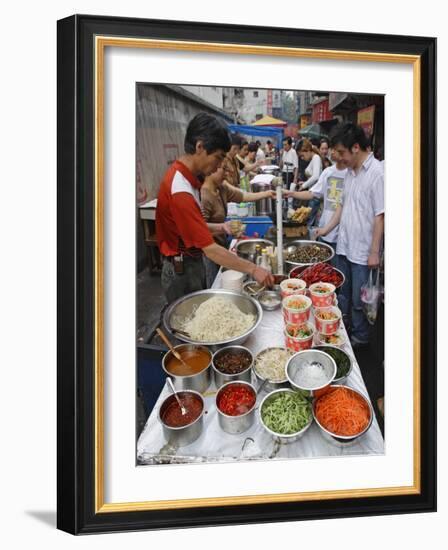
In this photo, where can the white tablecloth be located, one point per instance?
(214, 445)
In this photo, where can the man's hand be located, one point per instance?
(373, 260)
(320, 232)
(263, 277)
(287, 193)
(271, 194)
(226, 228)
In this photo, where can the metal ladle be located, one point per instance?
(183, 410)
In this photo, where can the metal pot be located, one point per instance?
(236, 424)
(184, 435)
(265, 206)
(198, 382)
(221, 378)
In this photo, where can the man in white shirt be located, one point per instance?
(361, 223)
(260, 156)
(289, 163)
(329, 187)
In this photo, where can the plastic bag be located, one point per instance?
(370, 296)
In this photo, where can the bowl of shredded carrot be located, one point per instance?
(342, 414)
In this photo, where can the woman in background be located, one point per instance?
(215, 194)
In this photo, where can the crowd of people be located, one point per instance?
(340, 180)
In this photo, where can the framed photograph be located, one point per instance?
(296, 134)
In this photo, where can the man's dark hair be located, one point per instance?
(348, 135)
(210, 130)
(258, 143)
(236, 139)
(244, 142)
(288, 140)
(269, 142)
(253, 147)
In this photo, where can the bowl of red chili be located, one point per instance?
(342, 414)
(231, 364)
(235, 403)
(182, 429)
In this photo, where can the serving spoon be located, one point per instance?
(176, 354)
(183, 410)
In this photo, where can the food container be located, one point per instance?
(337, 339)
(271, 385)
(296, 272)
(322, 299)
(232, 280)
(336, 352)
(183, 435)
(269, 300)
(290, 287)
(307, 363)
(222, 378)
(239, 423)
(337, 439)
(326, 253)
(198, 382)
(296, 343)
(293, 315)
(252, 288)
(327, 326)
(183, 308)
(282, 438)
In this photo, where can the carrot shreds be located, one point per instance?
(342, 412)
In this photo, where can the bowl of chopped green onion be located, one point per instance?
(286, 414)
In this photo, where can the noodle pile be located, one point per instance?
(217, 319)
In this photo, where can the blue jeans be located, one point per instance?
(349, 297)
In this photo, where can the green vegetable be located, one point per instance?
(341, 359)
(287, 413)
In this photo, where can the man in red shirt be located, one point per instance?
(183, 235)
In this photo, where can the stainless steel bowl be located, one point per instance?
(270, 385)
(342, 379)
(198, 382)
(246, 249)
(309, 356)
(236, 424)
(340, 440)
(270, 295)
(297, 271)
(281, 438)
(181, 309)
(221, 378)
(294, 245)
(254, 284)
(184, 435)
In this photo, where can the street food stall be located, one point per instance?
(278, 380)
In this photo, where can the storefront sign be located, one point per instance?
(366, 118)
(321, 112)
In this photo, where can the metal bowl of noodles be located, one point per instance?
(304, 253)
(179, 314)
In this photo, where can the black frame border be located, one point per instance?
(75, 272)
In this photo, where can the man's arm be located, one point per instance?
(222, 256)
(336, 218)
(373, 260)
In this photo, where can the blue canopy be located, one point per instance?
(259, 131)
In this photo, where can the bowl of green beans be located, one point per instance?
(286, 414)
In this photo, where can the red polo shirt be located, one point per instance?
(180, 227)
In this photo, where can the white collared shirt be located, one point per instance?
(290, 157)
(362, 199)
